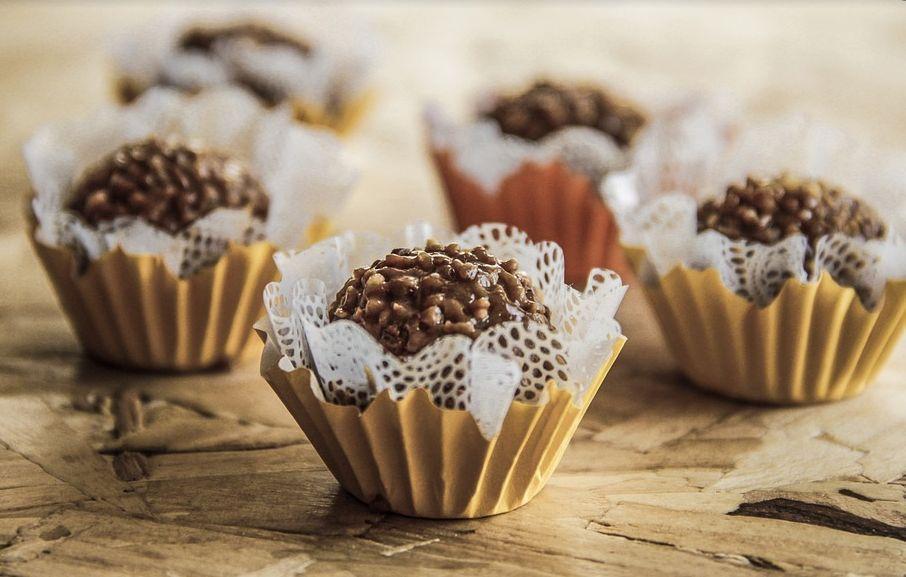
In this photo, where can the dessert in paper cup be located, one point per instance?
(440, 380)
(318, 67)
(784, 287)
(157, 222)
(535, 160)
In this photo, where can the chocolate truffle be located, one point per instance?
(205, 39)
(168, 184)
(767, 210)
(547, 107)
(412, 297)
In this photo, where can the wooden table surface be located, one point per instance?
(109, 473)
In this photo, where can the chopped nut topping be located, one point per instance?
(547, 107)
(769, 210)
(412, 297)
(169, 184)
(205, 38)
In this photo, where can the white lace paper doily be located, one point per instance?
(488, 156)
(678, 151)
(337, 69)
(304, 172)
(656, 201)
(482, 376)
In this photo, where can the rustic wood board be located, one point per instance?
(111, 473)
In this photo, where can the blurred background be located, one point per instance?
(840, 61)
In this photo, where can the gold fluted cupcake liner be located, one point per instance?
(342, 120)
(815, 342)
(549, 202)
(132, 311)
(416, 459)
(318, 229)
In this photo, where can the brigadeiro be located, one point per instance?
(169, 184)
(411, 297)
(767, 210)
(534, 159)
(474, 349)
(157, 222)
(319, 68)
(782, 285)
(547, 107)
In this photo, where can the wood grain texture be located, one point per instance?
(105, 472)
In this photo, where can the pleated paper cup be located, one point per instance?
(815, 342)
(131, 311)
(416, 459)
(549, 202)
(342, 121)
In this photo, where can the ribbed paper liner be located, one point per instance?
(416, 459)
(131, 311)
(549, 202)
(342, 121)
(815, 342)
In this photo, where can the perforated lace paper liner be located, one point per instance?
(337, 69)
(653, 216)
(303, 171)
(488, 156)
(482, 376)
(678, 151)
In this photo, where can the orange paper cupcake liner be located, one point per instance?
(132, 311)
(815, 342)
(548, 202)
(416, 459)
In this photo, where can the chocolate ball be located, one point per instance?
(547, 107)
(205, 39)
(412, 297)
(767, 210)
(168, 184)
